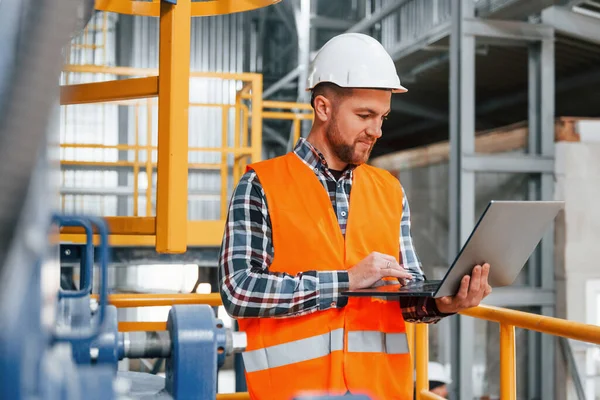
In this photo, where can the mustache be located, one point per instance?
(366, 140)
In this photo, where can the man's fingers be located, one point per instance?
(396, 273)
(475, 280)
(487, 291)
(463, 290)
(387, 258)
(485, 272)
(446, 300)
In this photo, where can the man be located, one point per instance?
(304, 227)
(439, 379)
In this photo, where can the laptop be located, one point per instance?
(505, 236)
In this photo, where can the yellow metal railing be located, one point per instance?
(171, 85)
(508, 320)
(417, 333)
(171, 187)
(296, 112)
(140, 229)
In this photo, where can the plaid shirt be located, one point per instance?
(249, 289)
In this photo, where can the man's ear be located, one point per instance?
(323, 108)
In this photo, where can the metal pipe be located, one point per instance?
(422, 349)
(539, 323)
(152, 344)
(151, 300)
(137, 326)
(157, 344)
(508, 365)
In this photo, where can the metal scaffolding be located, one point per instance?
(465, 163)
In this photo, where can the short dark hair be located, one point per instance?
(329, 90)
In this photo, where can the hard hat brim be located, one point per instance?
(396, 89)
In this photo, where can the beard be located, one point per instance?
(347, 153)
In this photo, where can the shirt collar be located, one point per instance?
(314, 158)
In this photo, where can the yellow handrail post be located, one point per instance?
(257, 110)
(224, 166)
(245, 117)
(297, 123)
(136, 161)
(149, 166)
(508, 365)
(422, 350)
(173, 105)
(236, 138)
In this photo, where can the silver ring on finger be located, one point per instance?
(388, 265)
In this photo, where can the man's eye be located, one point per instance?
(363, 116)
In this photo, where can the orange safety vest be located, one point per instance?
(362, 347)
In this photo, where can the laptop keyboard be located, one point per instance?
(426, 286)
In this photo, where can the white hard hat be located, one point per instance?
(437, 372)
(354, 60)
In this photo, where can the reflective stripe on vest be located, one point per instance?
(294, 352)
(322, 345)
(377, 342)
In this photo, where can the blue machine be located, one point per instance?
(77, 358)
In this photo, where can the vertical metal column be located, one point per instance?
(173, 104)
(305, 39)
(546, 100)
(306, 43)
(533, 338)
(124, 27)
(462, 182)
(541, 349)
(464, 163)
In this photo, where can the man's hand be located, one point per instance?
(472, 290)
(374, 267)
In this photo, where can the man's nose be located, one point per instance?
(374, 129)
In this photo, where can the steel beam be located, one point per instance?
(368, 22)
(573, 24)
(319, 22)
(461, 182)
(535, 267)
(302, 16)
(284, 16)
(569, 83)
(407, 107)
(124, 55)
(402, 50)
(546, 97)
(518, 163)
(507, 33)
(289, 77)
(100, 92)
(515, 9)
(273, 135)
(173, 103)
